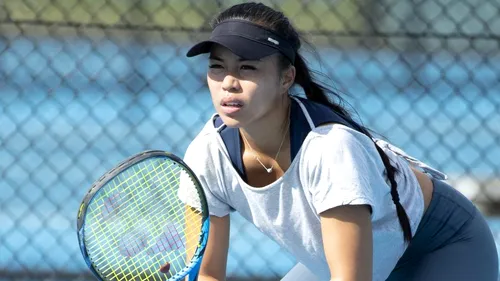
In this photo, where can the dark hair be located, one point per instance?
(263, 15)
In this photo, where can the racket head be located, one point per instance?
(124, 238)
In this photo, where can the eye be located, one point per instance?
(215, 66)
(248, 67)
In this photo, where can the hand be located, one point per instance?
(165, 268)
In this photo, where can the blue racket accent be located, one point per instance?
(198, 256)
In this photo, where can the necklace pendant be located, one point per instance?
(268, 170)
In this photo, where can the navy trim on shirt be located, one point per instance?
(299, 129)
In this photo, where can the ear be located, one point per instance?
(288, 78)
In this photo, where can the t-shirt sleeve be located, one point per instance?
(344, 169)
(198, 158)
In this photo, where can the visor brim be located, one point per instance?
(240, 46)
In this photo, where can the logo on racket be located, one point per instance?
(111, 205)
(133, 243)
(169, 240)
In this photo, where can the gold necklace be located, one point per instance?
(255, 154)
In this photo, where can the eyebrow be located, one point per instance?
(214, 57)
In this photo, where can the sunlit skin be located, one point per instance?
(255, 83)
(259, 88)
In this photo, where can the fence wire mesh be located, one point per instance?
(84, 84)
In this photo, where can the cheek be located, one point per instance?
(262, 95)
(213, 86)
(266, 89)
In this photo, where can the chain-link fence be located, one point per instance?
(84, 84)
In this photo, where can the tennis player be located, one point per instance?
(347, 206)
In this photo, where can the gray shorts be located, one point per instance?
(453, 242)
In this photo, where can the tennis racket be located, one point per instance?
(146, 219)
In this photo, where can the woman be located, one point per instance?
(347, 206)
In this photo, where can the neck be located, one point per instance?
(266, 134)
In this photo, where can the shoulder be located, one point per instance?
(341, 155)
(204, 157)
(200, 150)
(341, 166)
(204, 139)
(338, 137)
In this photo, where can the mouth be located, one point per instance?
(231, 102)
(231, 105)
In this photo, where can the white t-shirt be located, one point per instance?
(335, 166)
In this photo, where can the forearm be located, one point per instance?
(213, 267)
(208, 278)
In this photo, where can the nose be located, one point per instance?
(231, 84)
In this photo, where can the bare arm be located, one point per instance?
(213, 267)
(348, 242)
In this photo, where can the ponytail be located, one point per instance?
(313, 90)
(318, 93)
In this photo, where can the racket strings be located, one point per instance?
(188, 234)
(131, 214)
(130, 238)
(143, 202)
(132, 198)
(141, 188)
(168, 218)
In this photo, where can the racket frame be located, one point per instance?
(194, 265)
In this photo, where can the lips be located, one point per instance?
(231, 105)
(231, 102)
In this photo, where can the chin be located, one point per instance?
(231, 122)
